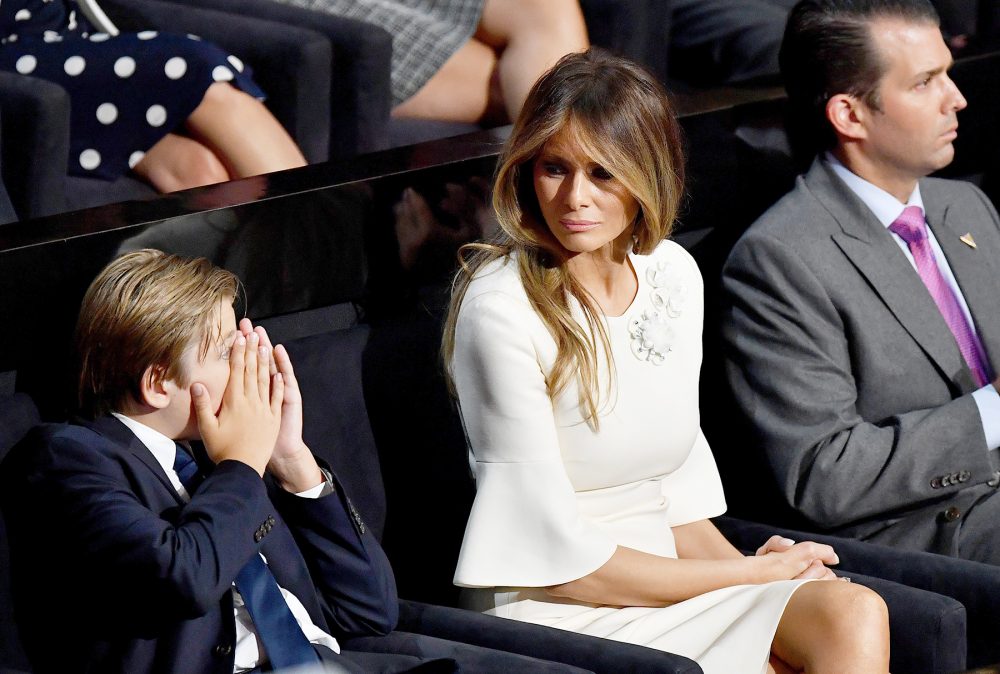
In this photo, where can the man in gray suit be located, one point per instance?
(862, 317)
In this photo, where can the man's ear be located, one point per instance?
(848, 116)
(154, 388)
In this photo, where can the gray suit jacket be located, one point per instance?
(847, 371)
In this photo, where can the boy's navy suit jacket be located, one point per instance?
(113, 572)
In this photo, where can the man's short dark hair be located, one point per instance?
(828, 50)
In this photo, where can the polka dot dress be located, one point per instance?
(126, 91)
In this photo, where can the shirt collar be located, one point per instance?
(883, 205)
(162, 448)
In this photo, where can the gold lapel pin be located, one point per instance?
(968, 240)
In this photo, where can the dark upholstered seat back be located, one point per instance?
(335, 419)
(376, 397)
(17, 416)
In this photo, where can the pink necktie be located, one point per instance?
(910, 226)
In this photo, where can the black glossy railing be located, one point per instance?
(380, 229)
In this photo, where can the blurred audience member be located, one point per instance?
(964, 22)
(176, 110)
(726, 41)
(466, 60)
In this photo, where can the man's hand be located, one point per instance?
(291, 463)
(247, 424)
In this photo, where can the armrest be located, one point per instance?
(292, 65)
(927, 631)
(975, 585)
(547, 643)
(444, 652)
(35, 144)
(361, 99)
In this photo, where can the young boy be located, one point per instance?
(185, 527)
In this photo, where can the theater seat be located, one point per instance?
(291, 65)
(7, 213)
(17, 416)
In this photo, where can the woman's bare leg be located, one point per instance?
(473, 85)
(178, 162)
(459, 91)
(242, 133)
(832, 626)
(776, 666)
(530, 35)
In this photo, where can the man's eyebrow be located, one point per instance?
(939, 70)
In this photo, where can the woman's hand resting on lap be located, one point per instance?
(807, 560)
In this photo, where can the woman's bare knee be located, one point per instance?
(222, 101)
(201, 166)
(223, 94)
(559, 21)
(242, 133)
(459, 91)
(178, 163)
(831, 624)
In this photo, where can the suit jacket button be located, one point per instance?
(946, 481)
(257, 535)
(936, 483)
(995, 482)
(952, 514)
(222, 650)
(964, 476)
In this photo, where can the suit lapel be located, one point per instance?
(280, 549)
(117, 432)
(974, 271)
(872, 250)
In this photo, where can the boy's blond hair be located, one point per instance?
(145, 309)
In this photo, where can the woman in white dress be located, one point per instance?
(574, 344)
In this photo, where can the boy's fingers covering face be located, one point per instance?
(266, 341)
(284, 364)
(250, 368)
(277, 395)
(237, 360)
(263, 373)
(204, 414)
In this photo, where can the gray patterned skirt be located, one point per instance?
(425, 33)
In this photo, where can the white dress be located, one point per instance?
(555, 498)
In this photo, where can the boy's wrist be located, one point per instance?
(298, 473)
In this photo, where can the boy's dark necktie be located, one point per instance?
(277, 629)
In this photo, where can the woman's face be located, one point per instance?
(585, 207)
